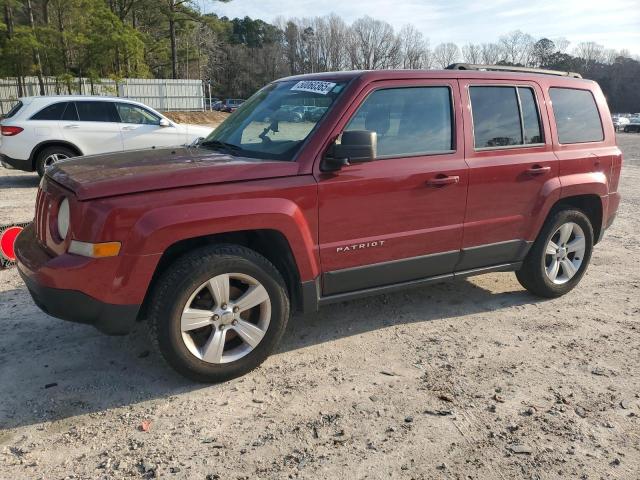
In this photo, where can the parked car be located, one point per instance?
(619, 122)
(408, 178)
(633, 126)
(39, 131)
(217, 106)
(208, 104)
(231, 105)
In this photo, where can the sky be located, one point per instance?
(612, 23)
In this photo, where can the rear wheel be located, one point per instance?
(218, 312)
(51, 155)
(560, 255)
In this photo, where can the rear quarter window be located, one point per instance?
(15, 109)
(577, 116)
(51, 112)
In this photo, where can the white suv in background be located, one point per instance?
(39, 131)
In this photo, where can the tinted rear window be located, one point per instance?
(97, 112)
(496, 117)
(505, 116)
(577, 117)
(52, 112)
(15, 109)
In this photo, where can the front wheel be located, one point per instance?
(559, 256)
(218, 312)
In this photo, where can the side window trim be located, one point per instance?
(521, 115)
(452, 115)
(515, 86)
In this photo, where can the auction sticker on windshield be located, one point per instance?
(315, 86)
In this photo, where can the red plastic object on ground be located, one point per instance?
(8, 235)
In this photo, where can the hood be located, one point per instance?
(197, 130)
(108, 175)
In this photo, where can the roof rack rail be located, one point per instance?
(507, 68)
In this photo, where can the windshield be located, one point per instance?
(274, 123)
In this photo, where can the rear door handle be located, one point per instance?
(72, 126)
(443, 180)
(538, 170)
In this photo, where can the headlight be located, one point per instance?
(63, 219)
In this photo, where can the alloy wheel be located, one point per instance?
(54, 158)
(225, 318)
(564, 253)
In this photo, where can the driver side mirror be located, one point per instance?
(164, 122)
(356, 146)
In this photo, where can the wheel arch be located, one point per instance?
(590, 204)
(51, 143)
(271, 244)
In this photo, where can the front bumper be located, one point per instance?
(47, 279)
(15, 163)
(77, 307)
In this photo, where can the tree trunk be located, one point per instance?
(36, 52)
(118, 62)
(45, 12)
(8, 19)
(20, 81)
(65, 56)
(174, 48)
(187, 60)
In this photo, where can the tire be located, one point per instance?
(44, 158)
(187, 283)
(539, 266)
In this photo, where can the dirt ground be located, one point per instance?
(469, 380)
(210, 119)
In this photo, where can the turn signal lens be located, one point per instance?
(9, 131)
(94, 250)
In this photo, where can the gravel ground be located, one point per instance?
(475, 379)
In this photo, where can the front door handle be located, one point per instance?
(443, 180)
(538, 170)
(129, 127)
(72, 126)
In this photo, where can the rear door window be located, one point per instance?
(577, 116)
(97, 112)
(408, 121)
(70, 113)
(496, 119)
(52, 112)
(504, 116)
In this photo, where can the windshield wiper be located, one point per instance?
(230, 147)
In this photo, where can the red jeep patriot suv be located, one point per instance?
(323, 188)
